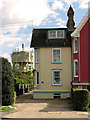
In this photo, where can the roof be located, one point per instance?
(76, 33)
(40, 38)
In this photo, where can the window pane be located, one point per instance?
(56, 77)
(60, 34)
(37, 55)
(52, 34)
(37, 77)
(54, 52)
(56, 55)
(57, 58)
(56, 80)
(76, 64)
(58, 52)
(75, 45)
(76, 68)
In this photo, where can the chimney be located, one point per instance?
(22, 47)
(70, 22)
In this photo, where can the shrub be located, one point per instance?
(80, 99)
(7, 83)
(17, 80)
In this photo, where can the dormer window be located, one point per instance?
(56, 34)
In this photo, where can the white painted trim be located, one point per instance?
(79, 58)
(75, 60)
(52, 54)
(80, 83)
(76, 32)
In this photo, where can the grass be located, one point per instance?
(7, 108)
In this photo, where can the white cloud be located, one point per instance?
(55, 15)
(70, 2)
(23, 12)
(7, 56)
(58, 4)
(9, 40)
(60, 22)
(83, 4)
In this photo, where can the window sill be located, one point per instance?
(57, 85)
(76, 76)
(37, 84)
(75, 51)
(56, 62)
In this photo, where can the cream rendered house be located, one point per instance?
(53, 62)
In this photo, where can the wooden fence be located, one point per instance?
(23, 88)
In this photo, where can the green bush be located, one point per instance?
(80, 99)
(17, 80)
(23, 77)
(7, 83)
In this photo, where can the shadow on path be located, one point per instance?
(49, 105)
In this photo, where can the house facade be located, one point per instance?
(81, 54)
(53, 60)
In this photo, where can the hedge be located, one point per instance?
(7, 83)
(80, 99)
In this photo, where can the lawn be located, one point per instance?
(7, 108)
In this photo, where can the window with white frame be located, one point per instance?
(75, 45)
(37, 77)
(37, 55)
(75, 68)
(56, 55)
(56, 77)
(56, 34)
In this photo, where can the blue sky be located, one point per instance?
(19, 17)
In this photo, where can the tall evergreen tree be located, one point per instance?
(7, 83)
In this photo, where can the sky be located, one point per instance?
(19, 17)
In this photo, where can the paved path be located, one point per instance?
(29, 108)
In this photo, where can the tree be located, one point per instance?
(7, 83)
(23, 77)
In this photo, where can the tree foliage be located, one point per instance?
(7, 83)
(23, 77)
